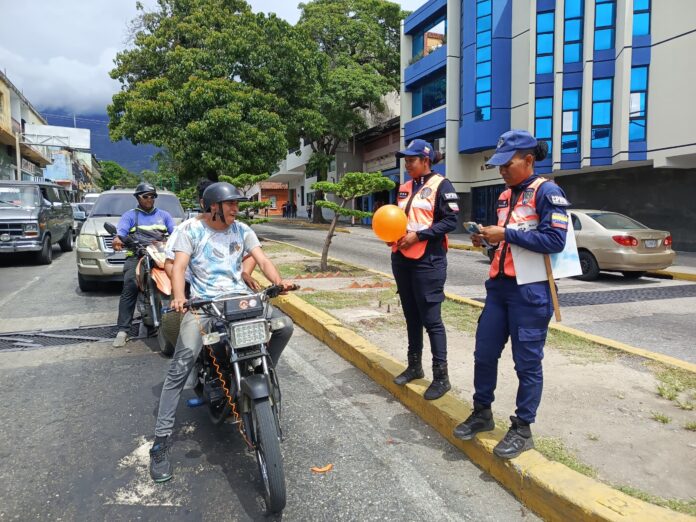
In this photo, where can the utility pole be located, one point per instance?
(74, 121)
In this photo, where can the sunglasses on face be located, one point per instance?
(148, 196)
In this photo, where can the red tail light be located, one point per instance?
(629, 241)
(668, 241)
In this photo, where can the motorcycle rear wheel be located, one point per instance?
(268, 456)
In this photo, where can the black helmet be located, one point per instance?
(219, 192)
(144, 188)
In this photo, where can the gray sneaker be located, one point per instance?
(120, 340)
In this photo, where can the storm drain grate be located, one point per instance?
(17, 341)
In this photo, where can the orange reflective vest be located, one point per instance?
(524, 211)
(420, 212)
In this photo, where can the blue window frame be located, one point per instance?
(420, 39)
(573, 31)
(429, 95)
(602, 95)
(641, 17)
(570, 130)
(484, 58)
(543, 120)
(544, 42)
(605, 24)
(638, 104)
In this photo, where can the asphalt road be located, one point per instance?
(77, 425)
(650, 313)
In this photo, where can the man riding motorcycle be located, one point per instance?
(212, 248)
(147, 224)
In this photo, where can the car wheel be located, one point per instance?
(66, 244)
(590, 268)
(633, 274)
(45, 255)
(85, 285)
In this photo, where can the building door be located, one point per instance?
(483, 201)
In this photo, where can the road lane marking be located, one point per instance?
(9, 297)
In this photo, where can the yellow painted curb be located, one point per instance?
(674, 275)
(550, 489)
(609, 343)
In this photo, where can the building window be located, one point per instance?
(573, 29)
(484, 39)
(602, 89)
(641, 17)
(638, 111)
(430, 95)
(605, 22)
(544, 43)
(543, 125)
(427, 40)
(570, 134)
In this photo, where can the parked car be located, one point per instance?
(34, 215)
(613, 242)
(79, 217)
(96, 259)
(91, 197)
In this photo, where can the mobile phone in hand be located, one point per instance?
(474, 228)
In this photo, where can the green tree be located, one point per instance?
(213, 83)
(114, 175)
(359, 40)
(351, 186)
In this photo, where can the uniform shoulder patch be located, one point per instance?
(451, 195)
(559, 220)
(558, 200)
(403, 195)
(502, 203)
(453, 206)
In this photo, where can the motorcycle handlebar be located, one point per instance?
(270, 292)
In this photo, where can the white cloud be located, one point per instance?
(59, 53)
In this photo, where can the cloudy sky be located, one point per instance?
(59, 52)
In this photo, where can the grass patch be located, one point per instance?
(578, 349)
(327, 300)
(673, 383)
(460, 316)
(271, 247)
(681, 506)
(593, 437)
(554, 449)
(661, 418)
(691, 426)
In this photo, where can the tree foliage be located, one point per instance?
(114, 175)
(360, 41)
(352, 185)
(213, 83)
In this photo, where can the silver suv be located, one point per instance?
(96, 259)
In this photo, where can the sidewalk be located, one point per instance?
(599, 407)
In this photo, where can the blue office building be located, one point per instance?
(605, 82)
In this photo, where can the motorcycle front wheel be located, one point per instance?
(268, 456)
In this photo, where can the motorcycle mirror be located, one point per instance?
(110, 228)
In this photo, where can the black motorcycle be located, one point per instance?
(237, 381)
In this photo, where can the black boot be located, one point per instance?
(481, 419)
(412, 372)
(516, 440)
(160, 467)
(440, 384)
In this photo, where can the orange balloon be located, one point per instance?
(389, 223)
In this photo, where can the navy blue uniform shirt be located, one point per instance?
(552, 209)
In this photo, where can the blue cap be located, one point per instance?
(509, 143)
(418, 148)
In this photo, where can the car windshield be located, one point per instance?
(614, 221)
(119, 204)
(19, 196)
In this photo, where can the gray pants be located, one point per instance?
(129, 295)
(188, 346)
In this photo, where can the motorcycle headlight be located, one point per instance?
(249, 334)
(31, 229)
(87, 241)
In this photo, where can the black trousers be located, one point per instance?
(129, 295)
(421, 286)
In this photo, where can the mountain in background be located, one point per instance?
(135, 158)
